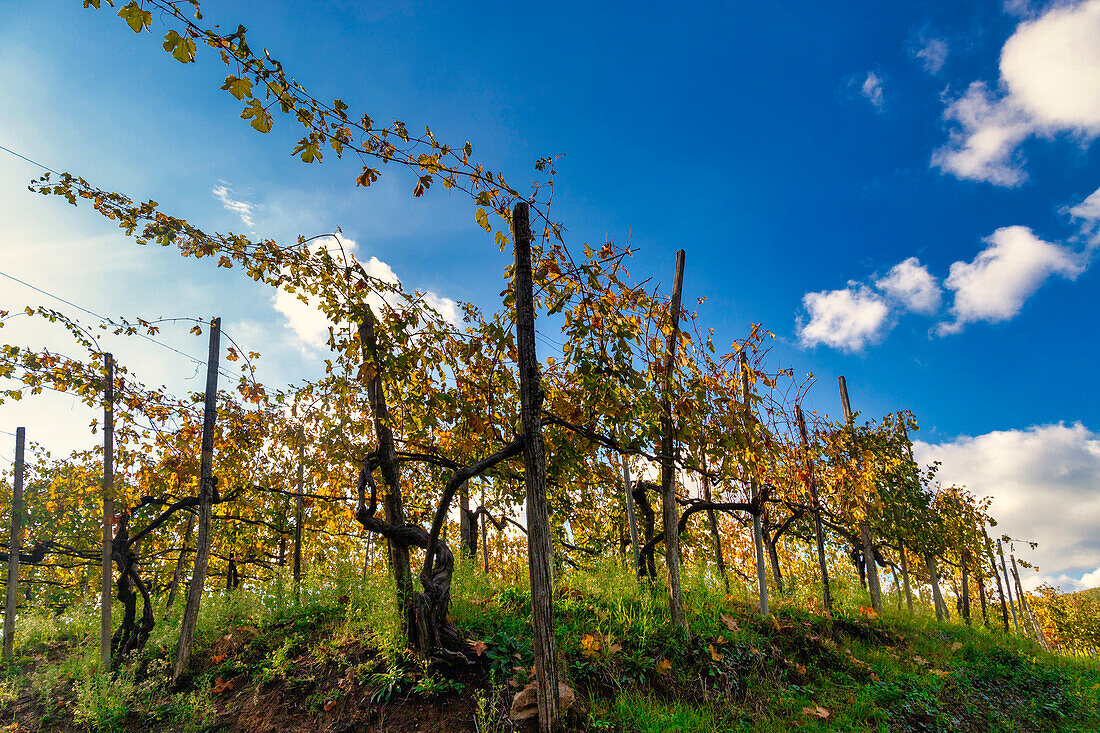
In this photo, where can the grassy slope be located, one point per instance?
(333, 662)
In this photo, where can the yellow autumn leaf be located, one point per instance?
(590, 646)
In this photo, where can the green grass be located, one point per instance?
(339, 644)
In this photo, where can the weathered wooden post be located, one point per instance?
(754, 492)
(484, 537)
(13, 546)
(997, 574)
(1008, 585)
(819, 532)
(299, 502)
(670, 512)
(937, 596)
(965, 587)
(108, 512)
(206, 506)
(539, 540)
(869, 563)
(631, 520)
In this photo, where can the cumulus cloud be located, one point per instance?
(994, 286)
(244, 209)
(1042, 480)
(311, 326)
(872, 90)
(910, 284)
(932, 53)
(847, 319)
(1049, 84)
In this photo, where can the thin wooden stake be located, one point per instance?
(13, 547)
(937, 596)
(539, 541)
(299, 502)
(670, 512)
(819, 532)
(108, 513)
(869, 563)
(1008, 585)
(996, 574)
(206, 506)
(754, 493)
(631, 520)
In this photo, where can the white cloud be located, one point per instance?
(1005, 274)
(311, 325)
(932, 54)
(1088, 212)
(243, 209)
(1091, 580)
(910, 283)
(872, 90)
(847, 319)
(1049, 84)
(1043, 483)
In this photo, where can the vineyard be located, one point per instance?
(448, 531)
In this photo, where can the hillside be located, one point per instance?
(332, 663)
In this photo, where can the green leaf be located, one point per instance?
(182, 49)
(238, 87)
(135, 17)
(261, 120)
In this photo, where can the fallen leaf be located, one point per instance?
(714, 653)
(730, 622)
(221, 686)
(664, 665)
(590, 646)
(330, 705)
(956, 646)
(816, 712)
(479, 647)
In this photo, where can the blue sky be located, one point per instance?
(798, 152)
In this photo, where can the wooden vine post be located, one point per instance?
(670, 512)
(869, 563)
(539, 540)
(631, 520)
(299, 502)
(754, 491)
(1008, 586)
(108, 512)
(206, 505)
(966, 586)
(815, 503)
(13, 547)
(934, 579)
(996, 574)
(901, 538)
